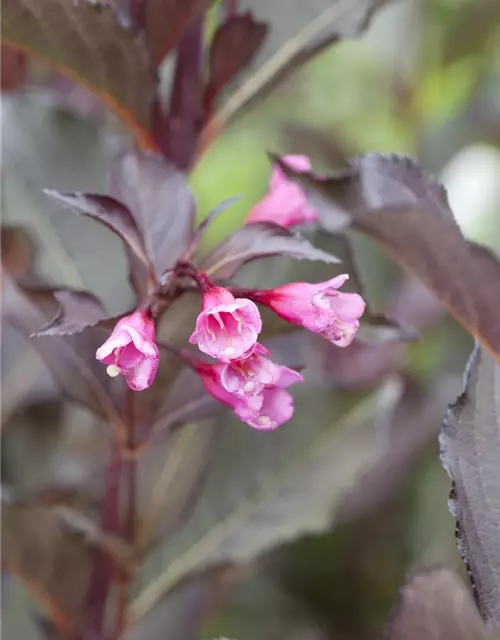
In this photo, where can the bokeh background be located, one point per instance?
(423, 81)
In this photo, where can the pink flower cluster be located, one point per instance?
(244, 379)
(227, 328)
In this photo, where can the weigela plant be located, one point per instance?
(195, 342)
(228, 328)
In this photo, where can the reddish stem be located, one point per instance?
(129, 529)
(128, 532)
(252, 294)
(231, 8)
(137, 12)
(103, 567)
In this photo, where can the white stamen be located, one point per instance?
(216, 315)
(264, 420)
(112, 370)
(249, 386)
(239, 324)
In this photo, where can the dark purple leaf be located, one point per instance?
(394, 201)
(260, 493)
(166, 20)
(93, 44)
(178, 134)
(414, 427)
(234, 44)
(70, 359)
(161, 202)
(77, 311)
(470, 453)
(185, 401)
(170, 479)
(108, 211)
(260, 240)
(414, 305)
(36, 549)
(212, 215)
(361, 366)
(435, 605)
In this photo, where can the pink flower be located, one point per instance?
(131, 351)
(227, 328)
(265, 410)
(244, 406)
(285, 203)
(320, 308)
(277, 404)
(249, 376)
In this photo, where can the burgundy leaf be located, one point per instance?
(179, 133)
(185, 401)
(166, 20)
(204, 224)
(470, 453)
(77, 311)
(234, 44)
(70, 359)
(161, 202)
(170, 479)
(108, 211)
(260, 240)
(92, 43)
(414, 427)
(361, 366)
(435, 605)
(52, 561)
(394, 201)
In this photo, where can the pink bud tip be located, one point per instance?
(285, 203)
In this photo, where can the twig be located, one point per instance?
(231, 8)
(103, 567)
(129, 525)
